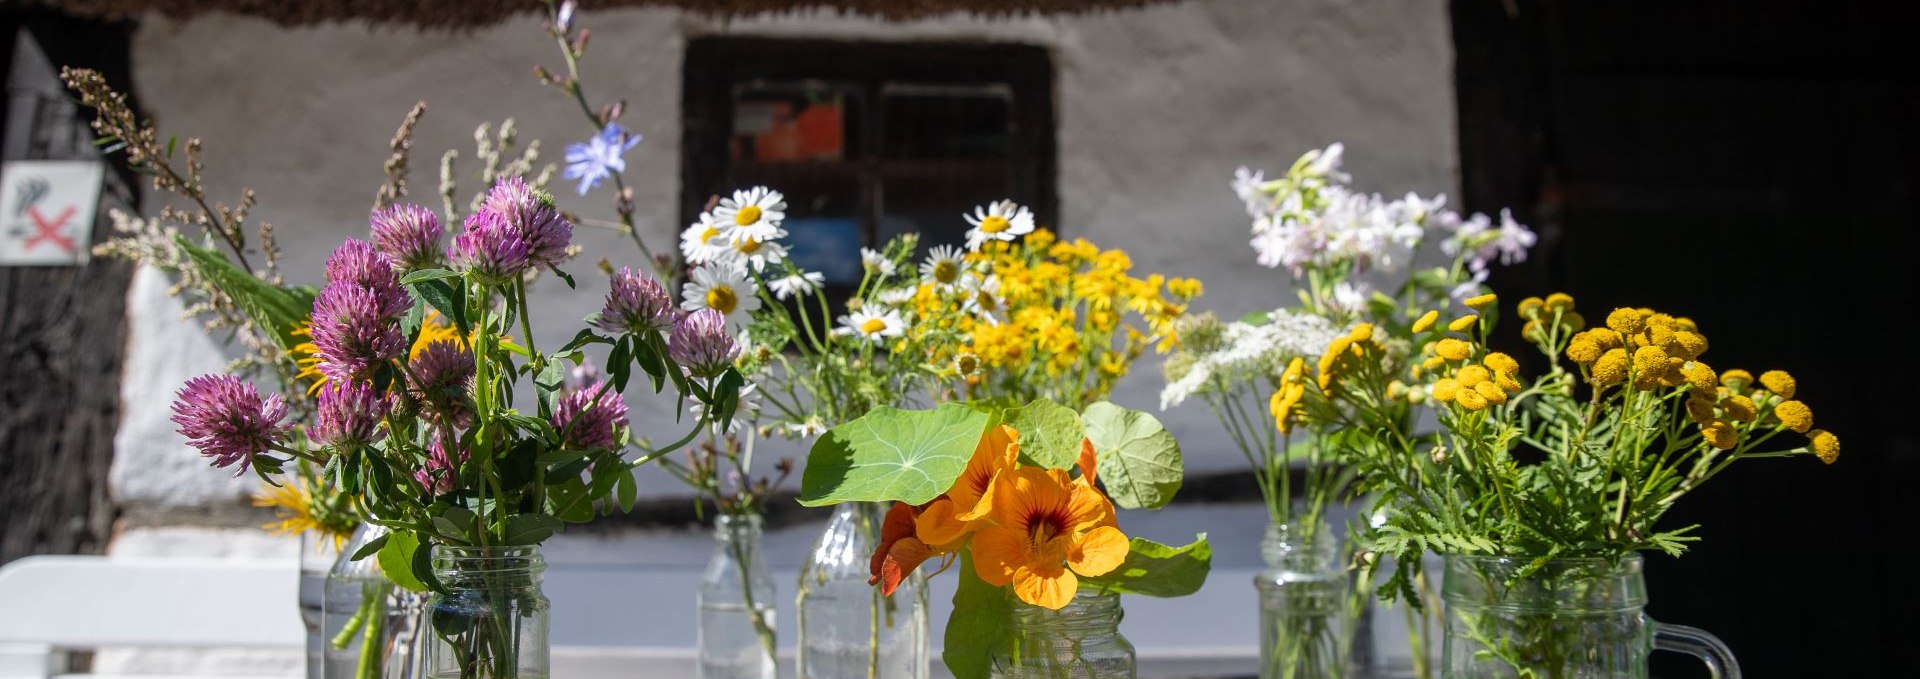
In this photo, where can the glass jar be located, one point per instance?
(848, 629)
(360, 604)
(1081, 640)
(317, 555)
(1569, 619)
(1305, 627)
(736, 630)
(492, 620)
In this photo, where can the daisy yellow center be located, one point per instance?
(946, 271)
(722, 299)
(987, 301)
(873, 326)
(749, 246)
(995, 224)
(708, 235)
(747, 215)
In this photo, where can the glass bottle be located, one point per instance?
(848, 629)
(1081, 640)
(1305, 627)
(492, 621)
(317, 555)
(1570, 619)
(362, 605)
(736, 626)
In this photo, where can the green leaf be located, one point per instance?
(626, 491)
(726, 395)
(890, 454)
(517, 467)
(397, 557)
(529, 529)
(620, 363)
(546, 385)
(1050, 433)
(425, 275)
(980, 620)
(1140, 462)
(583, 338)
(652, 361)
(1156, 570)
(371, 547)
(1257, 318)
(276, 309)
(449, 300)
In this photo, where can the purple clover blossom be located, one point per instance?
(591, 416)
(409, 235)
(636, 303)
(349, 414)
(438, 475)
(531, 213)
(490, 248)
(445, 369)
(355, 330)
(357, 264)
(598, 158)
(700, 343)
(228, 420)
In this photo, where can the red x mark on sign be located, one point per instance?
(49, 229)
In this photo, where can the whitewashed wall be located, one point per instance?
(1156, 107)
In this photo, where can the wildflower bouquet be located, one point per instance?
(1560, 479)
(1015, 496)
(1053, 319)
(430, 445)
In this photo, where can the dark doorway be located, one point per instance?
(1750, 165)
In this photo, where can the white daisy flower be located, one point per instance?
(754, 213)
(944, 267)
(812, 428)
(758, 254)
(874, 327)
(801, 283)
(705, 241)
(876, 262)
(983, 298)
(894, 297)
(1001, 220)
(721, 288)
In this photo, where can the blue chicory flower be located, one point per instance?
(593, 161)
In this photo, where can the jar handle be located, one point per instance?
(1700, 644)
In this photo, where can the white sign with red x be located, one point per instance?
(46, 211)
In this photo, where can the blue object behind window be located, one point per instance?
(829, 245)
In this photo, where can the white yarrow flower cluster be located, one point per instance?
(1247, 351)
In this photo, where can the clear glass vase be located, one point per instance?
(1082, 641)
(492, 621)
(848, 629)
(317, 554)
(736, 633)
(1569, 619)
(1306, 625)
(371, 628)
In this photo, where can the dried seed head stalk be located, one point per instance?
(395, 187)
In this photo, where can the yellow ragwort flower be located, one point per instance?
(1501, 363)
(1583, 350)
(1470, 399)
(1720, 435)
(1572, 320)
(1700, 410)
(1736, 380)
(1739, 408)
(1531, 307)
(1559, 301)
(1611, 369)
(1472, 375)
(1453, 349)
(1506, 381)
(1779, 382)
(1481, 302)
(1463, 323)
(1649, 361)
(1692, 344)
(1425, 321)
(1534, 331)
(1794, 415)
(1491, 392)
(1445, 389)
(1824, 444)
(1700, 376)
(1626, 321)
(1687, 324)
(1361, 332)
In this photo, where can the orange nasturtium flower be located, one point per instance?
(911, 535)
(1043, 529)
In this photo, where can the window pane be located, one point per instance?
(946, 120)
(795, 121)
